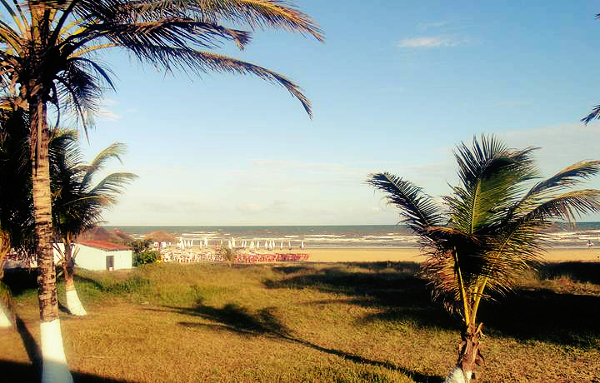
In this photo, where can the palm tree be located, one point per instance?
(77, 204)
(489, 230)
(47, 58)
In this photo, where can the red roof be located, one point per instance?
(103, 245)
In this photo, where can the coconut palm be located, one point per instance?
(48, 61)
(77, 204)
(489, 230)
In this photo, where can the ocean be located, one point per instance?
(579, 235)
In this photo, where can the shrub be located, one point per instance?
(145, 258)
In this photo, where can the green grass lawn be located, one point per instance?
(309, 323)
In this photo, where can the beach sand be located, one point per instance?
(413, 255)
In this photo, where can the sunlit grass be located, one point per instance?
(313, 323)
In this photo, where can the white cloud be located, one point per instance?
(429, 42)
(108, 115)
(105, 112)
(249, 208)
(425, 26)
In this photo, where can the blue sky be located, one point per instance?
(395, 87)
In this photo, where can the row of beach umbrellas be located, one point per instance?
(268, 244)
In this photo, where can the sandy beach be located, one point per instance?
(413, 255)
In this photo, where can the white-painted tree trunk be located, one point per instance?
(54, 361)
(74, 304)
(459, 376)
(4, 317)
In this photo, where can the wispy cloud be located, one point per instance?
(429, 42)
(435, 25)
(105, 112)
(109, 115)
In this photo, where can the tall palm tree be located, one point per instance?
(47, 58)
(78, 203)
(489, 230)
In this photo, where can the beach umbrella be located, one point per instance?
(233, 241)
(302, 245)
(257, 244)
(290, 245)
(252, 245)
(205, 241)
(229, 244)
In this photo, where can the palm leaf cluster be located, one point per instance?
(49, 48)
(491, 228)
(78, 203)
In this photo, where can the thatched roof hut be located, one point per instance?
(160, 236)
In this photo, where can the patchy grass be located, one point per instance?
(310, 323)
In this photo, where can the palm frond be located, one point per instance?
(567, 178)
(593, 115)
(567, 206)
(113, 151)
(254, 13)
(78, 203)
(202, 62)
(418, 210)
(491, 176)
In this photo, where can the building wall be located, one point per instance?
(95, 259)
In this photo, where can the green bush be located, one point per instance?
(145, 258)
(140, 245)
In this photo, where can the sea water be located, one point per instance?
(583, 234)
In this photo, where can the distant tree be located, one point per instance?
(48, 54)
(78, 203)
(489, 230)
(140, 245)
(228, 254)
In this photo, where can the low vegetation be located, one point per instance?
(145, 257)
(351, 322)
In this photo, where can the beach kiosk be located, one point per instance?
(101, 255)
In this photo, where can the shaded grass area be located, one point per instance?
(311, 323)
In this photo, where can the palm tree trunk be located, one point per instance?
(5, 314)
(73, 303)
(469, 356)
(4, 317)
(54, 360)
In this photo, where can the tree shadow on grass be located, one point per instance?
(238, 319)
(392, 287)
(15, 372)
(577, 271)
(564, 319)
(20, 280)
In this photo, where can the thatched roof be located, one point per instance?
(102, 234)
(160, 236)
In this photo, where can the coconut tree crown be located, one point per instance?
(78, 203)
(49, 48)
(491, 227)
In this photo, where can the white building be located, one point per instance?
(101, 255)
